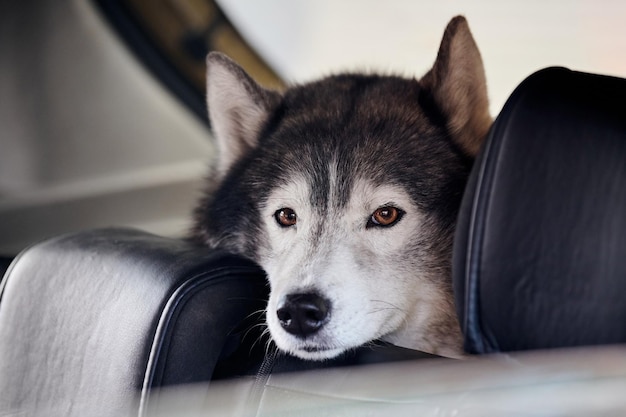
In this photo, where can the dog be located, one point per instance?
(345, 191)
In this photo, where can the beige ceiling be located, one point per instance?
(305, 39)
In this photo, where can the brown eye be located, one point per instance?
(385, 217)
(285, 217)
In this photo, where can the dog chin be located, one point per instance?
(311, 353)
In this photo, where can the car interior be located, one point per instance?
(111, 318)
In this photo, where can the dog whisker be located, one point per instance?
(269, 344)
(260, 325)
(389, 306)
(256, 342)
(253, 327)
(374, 344)
(378, 310)
(249, 328)
(385, 302)
(265, 335)
(258, 313)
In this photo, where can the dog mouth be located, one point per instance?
(314, 349)
(317, 352)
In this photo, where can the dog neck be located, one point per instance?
(435, 330)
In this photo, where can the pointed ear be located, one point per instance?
(238, 108)
(458, 87)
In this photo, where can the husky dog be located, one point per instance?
(346, 191)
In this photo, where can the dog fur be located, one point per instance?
(304, 177)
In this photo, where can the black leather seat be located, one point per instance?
(539, 258)
(91, 323)
(5, 261)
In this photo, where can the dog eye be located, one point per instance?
(285, 217)
(385, 217)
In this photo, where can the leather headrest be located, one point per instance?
(540, 249)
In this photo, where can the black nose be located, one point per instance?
(303, 314)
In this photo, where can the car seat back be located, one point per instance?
(540, 249)
(91, 323)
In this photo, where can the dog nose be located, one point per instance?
(303, 314)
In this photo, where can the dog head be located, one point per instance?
(346, 191)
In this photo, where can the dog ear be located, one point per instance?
(238, 108)
(458, 87)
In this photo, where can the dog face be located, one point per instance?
(345, 272)
(346, 191)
